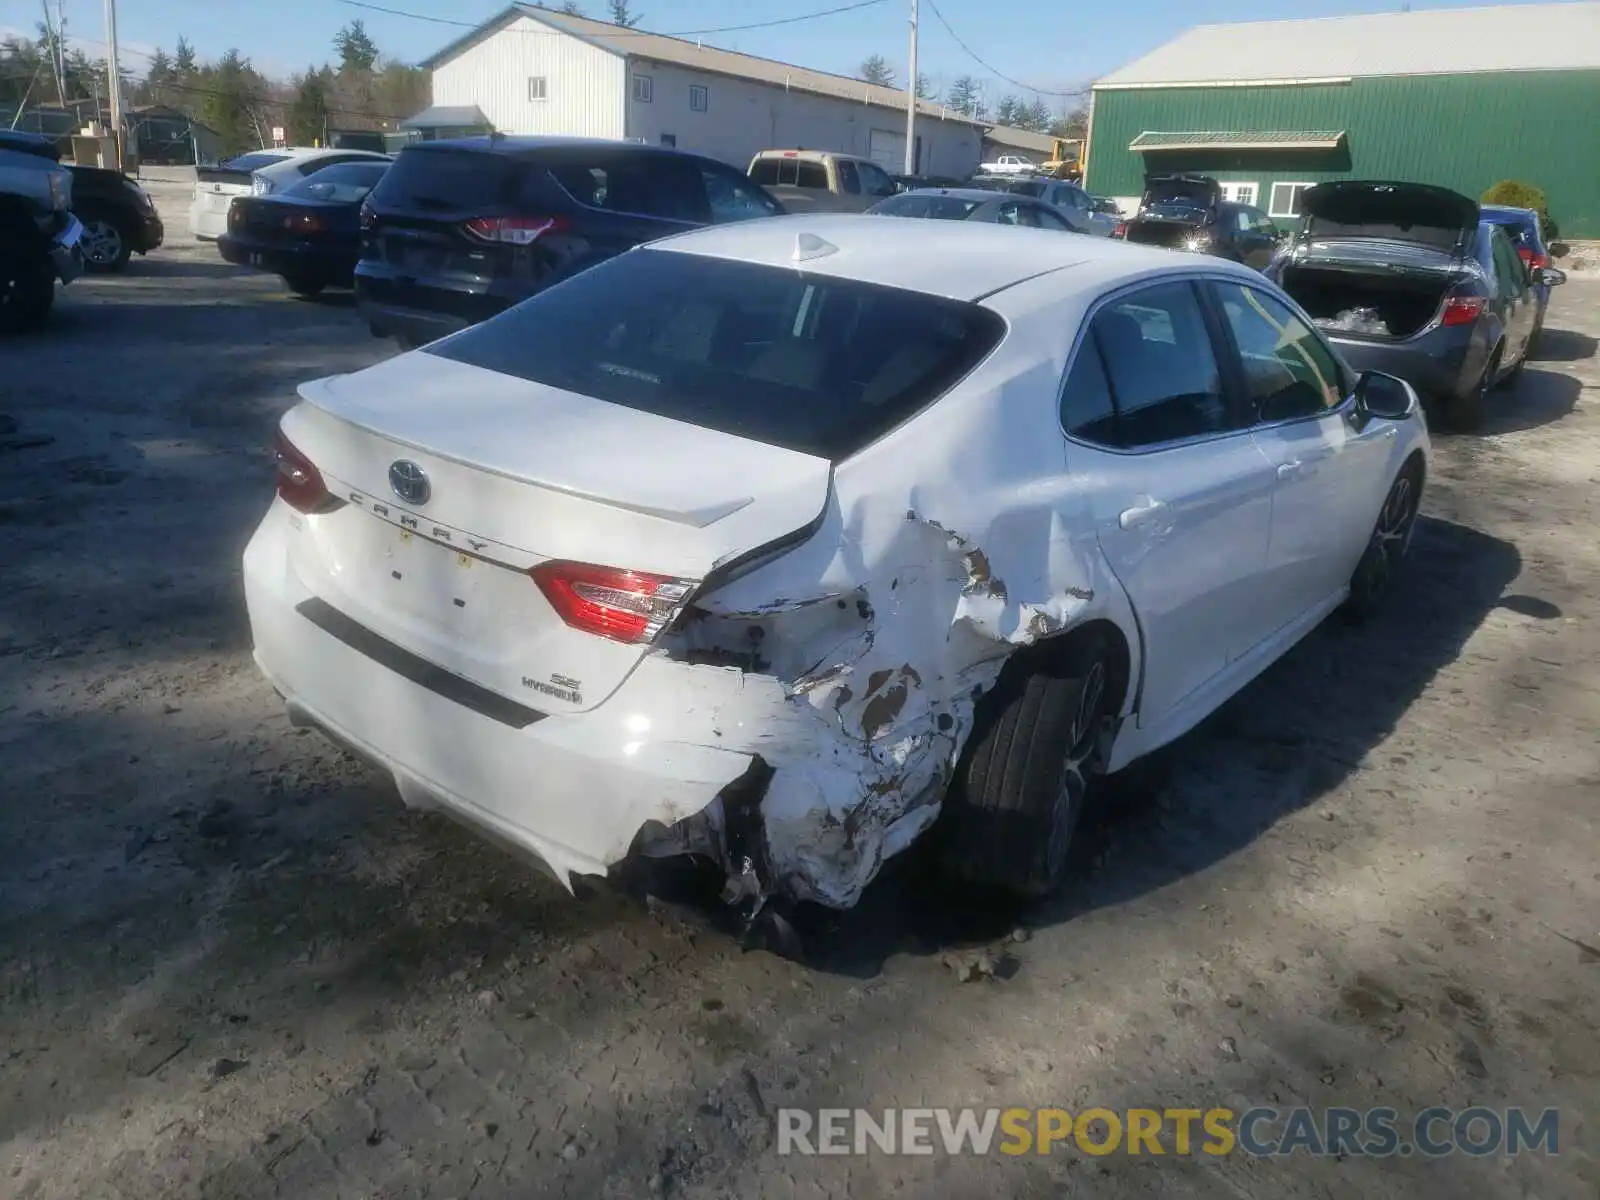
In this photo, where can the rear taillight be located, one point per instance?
(369, 215)
(1537, 262)
(235, 216)
(1526, 255)
(625, 606)
(300, 483)
(1120, 230)
(305, 223)
(514, 231)
(1462, 310)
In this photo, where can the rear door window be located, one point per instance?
(1162, 366)
(813, 363)
(650, 185)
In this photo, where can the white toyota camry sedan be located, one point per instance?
(786, 542)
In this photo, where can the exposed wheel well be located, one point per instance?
(1417, 465)
(1057, 649)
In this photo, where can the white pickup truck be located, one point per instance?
(1010, 164)
(820, 180)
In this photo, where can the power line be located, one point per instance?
(973, 54)
(620, 31)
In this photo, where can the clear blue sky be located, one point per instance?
(1052, 46)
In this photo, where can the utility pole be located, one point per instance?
(54, 32)
(115, 71)
(911, 99)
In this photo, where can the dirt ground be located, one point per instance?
(232, 965)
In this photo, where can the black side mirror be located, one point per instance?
(1385, 396)
(1559, 249)
(1549, 276)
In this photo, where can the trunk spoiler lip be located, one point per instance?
(315, 391)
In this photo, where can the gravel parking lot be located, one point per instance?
(232, 965)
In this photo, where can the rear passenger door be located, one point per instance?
(1181, 494)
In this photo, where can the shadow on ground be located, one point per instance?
(1563, 345)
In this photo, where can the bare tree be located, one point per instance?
(622, 14)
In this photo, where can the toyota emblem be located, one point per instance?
(409, 482)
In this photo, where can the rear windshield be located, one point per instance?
(252, 162)
(909, 204)
(450, 180)
(807, 362)
(1520, 228)
(342, 184)
(1026, 187)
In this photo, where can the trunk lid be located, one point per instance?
(1402, 212)
(521, 473)
(1175, 195)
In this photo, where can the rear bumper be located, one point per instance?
(206, 225)
(330, 264)
(571, 791)
(422, 309)
(1442, 362)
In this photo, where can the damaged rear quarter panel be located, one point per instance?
(947, 545)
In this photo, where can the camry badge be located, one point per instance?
(409, 482)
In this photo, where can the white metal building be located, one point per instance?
(533, 70)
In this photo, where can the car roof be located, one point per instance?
(1526, 214)
(962, 260)
(981, 195)
(523, 145)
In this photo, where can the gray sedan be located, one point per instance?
(973, 204)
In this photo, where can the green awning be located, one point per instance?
(1239, 139)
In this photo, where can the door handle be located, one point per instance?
(1291, 469)
(1142, 513)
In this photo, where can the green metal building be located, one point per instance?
(1458, 97)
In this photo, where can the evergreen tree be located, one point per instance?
(875, 69)
(622, 14)
(356, 50)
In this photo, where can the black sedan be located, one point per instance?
(310, 233)
(1188, 212)
(973, 204)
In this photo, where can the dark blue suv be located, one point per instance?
(458, 231)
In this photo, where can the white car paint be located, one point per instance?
(974, 528)
(208, 210)
(1009, 164)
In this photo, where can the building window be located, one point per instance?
(1240, 193)
(699, 98)
(643, 89)
(669, 140)
(537, 88)
(1285, 200)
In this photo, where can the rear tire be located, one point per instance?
(1018, 793)
(27, 290)
(1466, 413)
(106, 244)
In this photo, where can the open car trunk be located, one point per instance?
(1386, 304)
(1166, 232)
